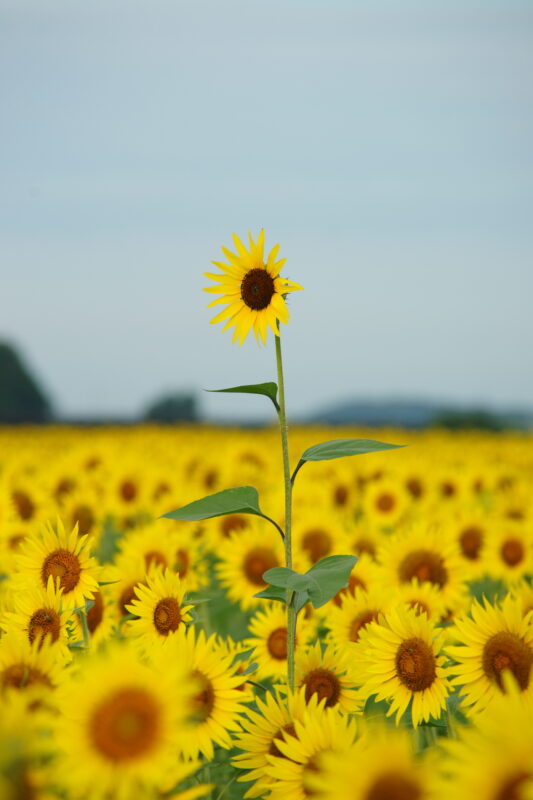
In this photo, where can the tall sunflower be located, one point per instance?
(252, 289)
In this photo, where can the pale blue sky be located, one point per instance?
(387, 146)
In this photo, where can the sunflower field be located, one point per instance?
(136, 661)
(192, 612)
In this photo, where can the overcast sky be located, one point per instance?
(387, 146)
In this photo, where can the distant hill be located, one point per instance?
(407, 413)
(21, 398)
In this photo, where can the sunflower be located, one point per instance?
(510, 551)
(159, 607)
(492, 760)
(321, 731)
(146, 542)
(424, 597)
(317, 535)
(385, 502)
(381, 765)
(100, 619)
(244, 559)
(262, 729)
(329, 675)
(347, 621)
(64, 556)
(399, 660)
(494, 639)
(38, 614)
(122, 725)
(29, 668)
(365, 576)
(427, 554)
(217, 701)
(252, 290)
(268, 627)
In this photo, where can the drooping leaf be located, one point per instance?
(340, 448)
(273, 593)
(240, 500)
(269, 389)
(280, 594)
(330, 574)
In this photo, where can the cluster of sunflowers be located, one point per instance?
(136, 662)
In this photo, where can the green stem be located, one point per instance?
(291, 612)
(84, 628)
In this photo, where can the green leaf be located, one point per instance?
(340, 448)
(241, 500)
(273, 593)
(280, 594)
(279, 576)
(331, 574)
(269, 389)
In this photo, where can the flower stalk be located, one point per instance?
(282, 416)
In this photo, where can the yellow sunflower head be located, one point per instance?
(251, 289)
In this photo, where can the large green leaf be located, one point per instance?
(340, 448)
(330, 574)
(269, 389)
(240, 500)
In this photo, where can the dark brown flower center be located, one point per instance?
(360, 622)
(340, 495)
(231, 523)
(364, 545)
(425, 565)
(44, 622)
(415, 487)
(126, 725)
(277, 644)
(317, 543)
(393, 786)
(470, 540)
(324, 683)
(167, 615)
(204, 701)
(257, 289)
(256, 562)
(84, 516)
(507, 651)
(512, 552)
(128, 491)
(353, 584)
(24, 504)
(19, 676)
(64, 565)
(385, 502)
(183, 562)
(127, 596)
(512, 787)
(415, 664)
(274, 749)
(155, 557)
(96, 613)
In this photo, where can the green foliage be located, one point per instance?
(340, 448)
(318, 585)
(269, 389)
(240, 500)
